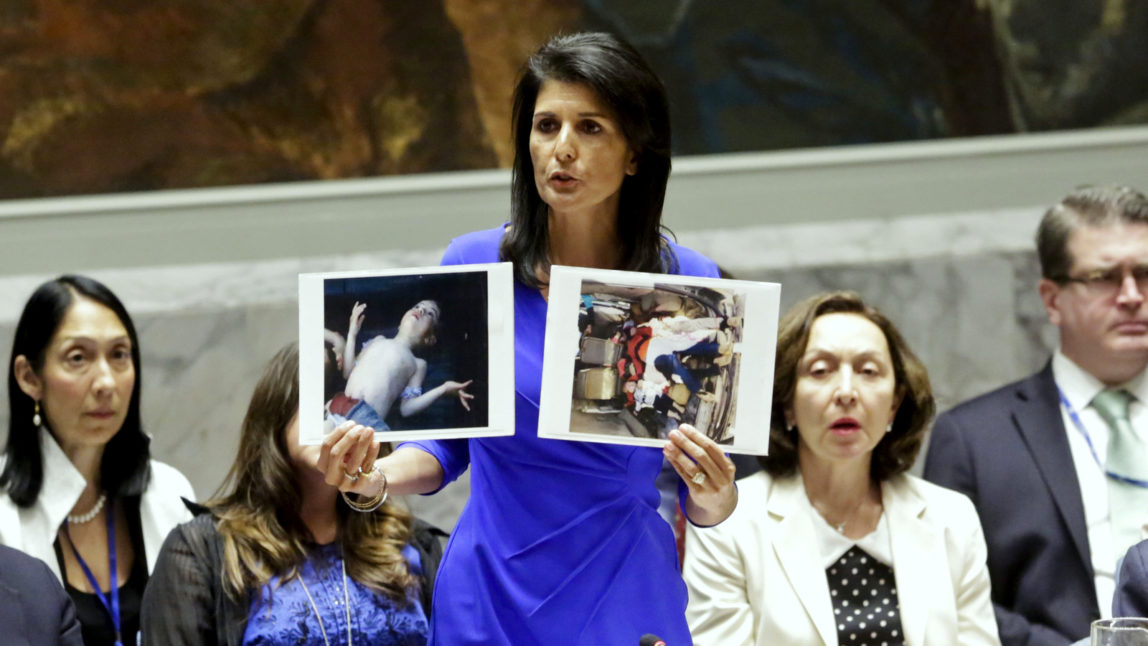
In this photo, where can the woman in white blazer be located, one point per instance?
(834, 543)
(78, 489)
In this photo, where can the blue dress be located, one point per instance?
(560, 541)
(283, 614)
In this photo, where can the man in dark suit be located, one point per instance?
(1131, 598)
(1058, 506)
(34, 609)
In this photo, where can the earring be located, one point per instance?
(36, 415)
(790, 429)
(889, 428)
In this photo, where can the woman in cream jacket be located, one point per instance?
(834, 543)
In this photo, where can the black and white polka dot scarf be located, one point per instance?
(864, 595)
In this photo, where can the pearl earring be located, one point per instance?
(889, 428)
(36, 415)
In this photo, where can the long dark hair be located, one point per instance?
(124, 468)
(258, 504)
(624, 81)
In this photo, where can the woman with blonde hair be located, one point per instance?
(281, 557)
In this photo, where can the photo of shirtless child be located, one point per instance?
(401, 352)
(387, 371)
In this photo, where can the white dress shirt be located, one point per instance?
(1079, 388)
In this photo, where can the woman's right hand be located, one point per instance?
(347, 453)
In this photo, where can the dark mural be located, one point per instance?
(129, 95)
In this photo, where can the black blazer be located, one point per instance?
(1008, 452)
(34, 609)
(1131, 598)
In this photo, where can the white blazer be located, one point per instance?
(33, 530)
(757, 578)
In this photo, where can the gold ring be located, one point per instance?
(699, 477)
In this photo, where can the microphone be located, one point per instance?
(651, 640)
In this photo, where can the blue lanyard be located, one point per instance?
(1080, 427)
(113, 608)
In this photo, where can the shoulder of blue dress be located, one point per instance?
(475, 247)
(693, 263)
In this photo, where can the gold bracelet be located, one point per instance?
(371, 504)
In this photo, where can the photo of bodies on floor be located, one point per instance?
(650, 359)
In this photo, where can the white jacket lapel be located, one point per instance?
(796, 548)
(920, 564)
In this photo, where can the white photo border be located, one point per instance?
(500, 346)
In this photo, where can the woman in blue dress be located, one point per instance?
(280, 559)
(560, 541)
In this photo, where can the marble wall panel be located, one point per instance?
(969, 318)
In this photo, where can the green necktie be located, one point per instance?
(1127, 460)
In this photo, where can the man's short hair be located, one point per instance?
(1093, 206)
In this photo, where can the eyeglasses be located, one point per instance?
(1109, 281)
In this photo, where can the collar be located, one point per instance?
(1138, 386)
(1080, 387)
(63, 482)
(795, 545)
(1077, 384)
(787, 496)
(833, 544)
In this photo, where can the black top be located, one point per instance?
(95, 622)
(864, 595)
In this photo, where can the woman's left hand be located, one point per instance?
(347, 453)
(707, 472)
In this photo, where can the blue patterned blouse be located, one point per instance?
(282, 614)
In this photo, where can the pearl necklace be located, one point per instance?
(80, 519)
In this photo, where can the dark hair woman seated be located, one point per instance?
(281, 558)
(79, 490)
